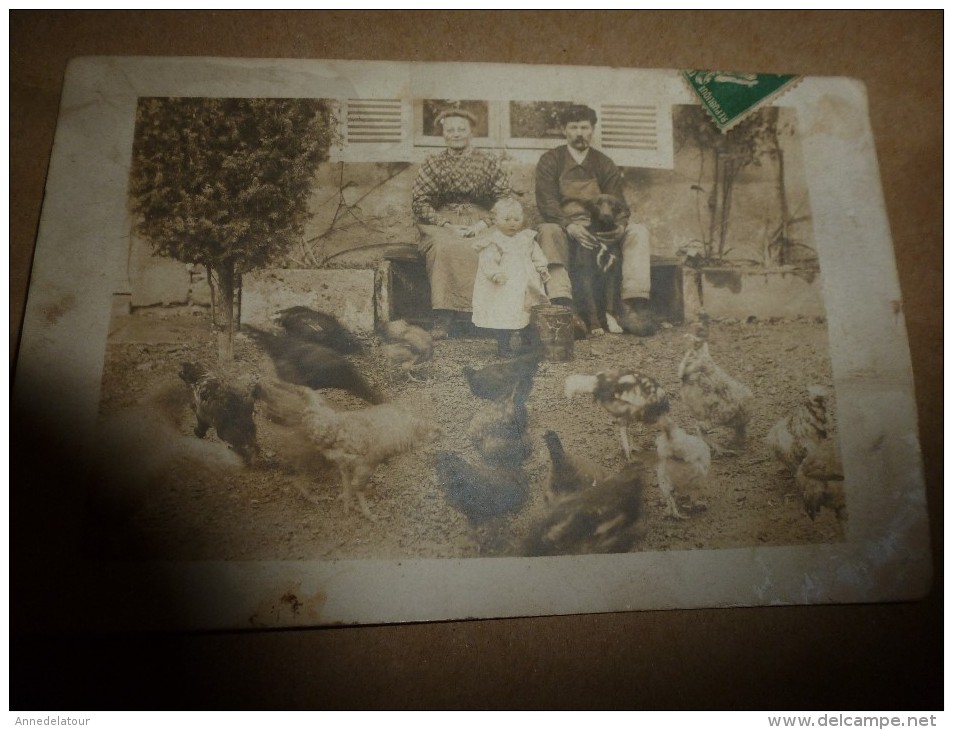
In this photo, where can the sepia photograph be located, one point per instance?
(420, 319)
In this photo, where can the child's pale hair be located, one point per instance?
(505, 205)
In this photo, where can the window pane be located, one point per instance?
(537, 119)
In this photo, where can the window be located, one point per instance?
(389, 130)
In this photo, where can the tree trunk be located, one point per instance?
(224, 318)
(782, 239)
(713, 205)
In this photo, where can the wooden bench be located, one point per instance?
(402, 291)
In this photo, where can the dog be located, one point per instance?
(596, 272)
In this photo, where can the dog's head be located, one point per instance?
(603, 211)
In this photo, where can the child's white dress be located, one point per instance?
(519, 258)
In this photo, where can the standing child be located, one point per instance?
(510, 276)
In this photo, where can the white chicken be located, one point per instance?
(790, 437)
(627, 396)
(713, 397)
(683, 464)
(358, 441)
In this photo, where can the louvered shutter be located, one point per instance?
(375, 130)
(636, 135)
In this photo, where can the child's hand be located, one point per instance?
(498, 278)
(544, 274)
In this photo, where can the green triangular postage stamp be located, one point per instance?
(729, 97)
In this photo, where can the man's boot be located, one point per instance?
(636, 317)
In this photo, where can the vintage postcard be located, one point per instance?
(350, 342)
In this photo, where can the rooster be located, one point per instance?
(713, 397)
(599, 519)
(820, 477)
(570, 473)
(406, 347)
(683, 463)
(356, 442)
(627, 396)
(790, 437)
(315, 366)
(498, 432)
(307, 324)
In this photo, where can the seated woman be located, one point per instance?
(453, 194)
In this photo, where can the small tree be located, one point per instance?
(225, 183)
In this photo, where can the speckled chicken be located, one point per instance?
(321, 328)
(683, 464)
(407, 347)
(570, 472)
(790, 437)
(219, 405)
(712, 396)
(627, 396)
(358, 441)
(602, 518)
(820, 477)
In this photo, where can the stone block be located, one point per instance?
(348, 294)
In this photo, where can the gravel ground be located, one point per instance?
(284, 507)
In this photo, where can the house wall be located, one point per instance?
(360, 208)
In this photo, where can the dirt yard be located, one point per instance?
(285, 508)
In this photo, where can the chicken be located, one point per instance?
(820, 477)
(501, 379)
(406, 347)
(357, 442)
(683, 463)
(312, 365)
(307, 324)
(481, 492)
(713, 397)
(789, 438)
(570, 473)
(599, 519)
(220, 406)
(498, 432)
(627, 396)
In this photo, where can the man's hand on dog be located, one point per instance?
(579, 233)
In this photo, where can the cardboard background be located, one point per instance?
(833, 657)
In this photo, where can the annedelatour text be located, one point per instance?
(43, 721)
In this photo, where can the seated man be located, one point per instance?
(572, 174)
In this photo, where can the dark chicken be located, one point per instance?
(220, 406)
(481, 492)
(315, 366)
(498, 432)
(598, 519)
(307, 324)
(499, 380)
(570, 473)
